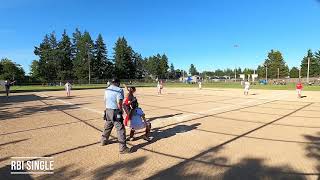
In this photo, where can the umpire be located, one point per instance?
(113, 98)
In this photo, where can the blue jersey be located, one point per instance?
(112, 96)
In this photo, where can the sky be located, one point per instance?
(211, 34)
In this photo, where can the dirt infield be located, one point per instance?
(198, 134)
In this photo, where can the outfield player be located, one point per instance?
(299, 88)
(68, 88)
(200, 84)
(159, 87)
(246, 88)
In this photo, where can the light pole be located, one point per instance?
(308, 70)
(266, 66)
(89, 61)
(235, 74)
(299, 74)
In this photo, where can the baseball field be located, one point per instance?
(211, 133)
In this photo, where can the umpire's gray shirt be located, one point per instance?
(112, 96)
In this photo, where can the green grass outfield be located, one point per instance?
(291, 86)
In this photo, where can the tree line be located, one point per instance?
(79, 57)
(72, 59)
(274, 65)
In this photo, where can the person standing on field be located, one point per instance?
(200, 85)
(7, 85)
(113, 99)
(68, 88)
(246, 88)
(159, 87)
(299, 88)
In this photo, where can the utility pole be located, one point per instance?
(308, 70)
(235, 74)
(300, 74)
(89, 60)
(266, 73)
(278, 73)
(183, 76)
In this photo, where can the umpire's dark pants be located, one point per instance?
(111, 120)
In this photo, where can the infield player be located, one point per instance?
(7, 85)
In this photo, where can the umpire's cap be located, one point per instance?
(115, 81)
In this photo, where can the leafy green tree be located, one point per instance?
(124, 65)
(65, 65)
(208, 73)
(229, 72)
(1, 68)
(314, 65)
(178, 73)
(294, 72)
(11, 70)
(248, 71)
(261, 70)
(157, 66)
(35, 71)
(219, 72)
(193, 71)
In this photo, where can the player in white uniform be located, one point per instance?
(246, 88)
(159, 87)
(68, 88)
(200, 84)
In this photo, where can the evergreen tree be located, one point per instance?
(294, 72)
(193, 71)
(1, 68)
(124, 65)
(76, 37)
(273, 62)
(163, 66)
(172, 72)
(157, 66)
(100, 66)
(314, 65)
(140, 65)
(34, 71)
(83, 57)
(65, 65)
(47, 52)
